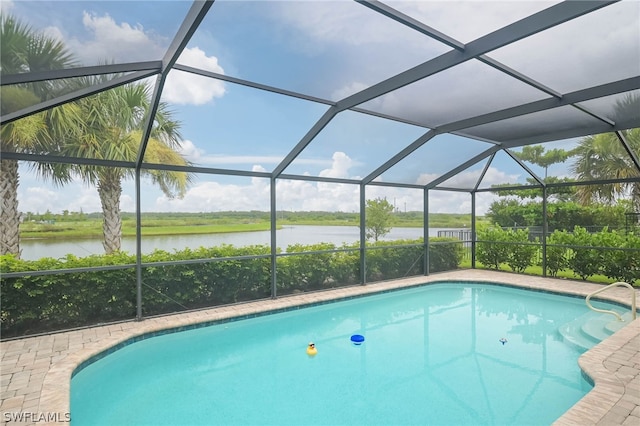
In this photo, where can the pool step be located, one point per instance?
(613, 326)
(591, 328)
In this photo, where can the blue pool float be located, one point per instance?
(357, 339)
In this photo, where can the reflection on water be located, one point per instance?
(36, 249)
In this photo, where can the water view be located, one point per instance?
(33, 249)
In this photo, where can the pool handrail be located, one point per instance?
(607, 311)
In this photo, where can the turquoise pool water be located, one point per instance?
(432, 355)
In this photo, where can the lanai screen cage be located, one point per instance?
(280, 106)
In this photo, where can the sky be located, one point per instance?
(327, 49)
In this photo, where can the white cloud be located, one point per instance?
(127, 203)
(340, 165)
(495, 177)
(74, 197)
(239, 159)
(468, 20)
(583, 46)
(215, 196)
(348, 90)
(54, 33)
(39, 199)
(190, 151)
(202, 158)
(186, 88)
(108, 41)
(292, 194)
(467, 179)
(6, 6)
(302, 195)
(458, 202)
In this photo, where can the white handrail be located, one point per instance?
(607, 311)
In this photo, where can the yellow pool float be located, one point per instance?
(311, 349)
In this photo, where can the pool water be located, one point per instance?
(441, 354)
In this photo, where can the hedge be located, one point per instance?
(613, 254)
(214, 276)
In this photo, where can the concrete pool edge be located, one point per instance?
(615, 393)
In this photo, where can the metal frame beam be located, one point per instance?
(484, 172)
(608, 89)
(484, 154)
(564, 184)
(543, 20)
(32, 77)
(252, 84)
(306, 140)
(593, 129)
(414, 24)
(524, 166)
(399, 156)
(190, 24)
(627, 148)
(78, 94)
(528, 26)
(290, 93)
(408, 21)
(425, 229)
(363, 235)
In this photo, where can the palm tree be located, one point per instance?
(25, 50)
(603, 157)
(113, 122)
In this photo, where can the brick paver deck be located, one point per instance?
(36, 371)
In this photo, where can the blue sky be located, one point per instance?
(328, 49)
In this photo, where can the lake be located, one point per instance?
(33, 249)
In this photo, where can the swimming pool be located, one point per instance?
(432, 355)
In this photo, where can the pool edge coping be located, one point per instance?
(55, 393)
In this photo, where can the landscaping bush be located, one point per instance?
(583, 260)
(621, 263)
(37, 303)
(213, 276)
(557, 256)
(491, 249)
(521, 252)
(387, 263)
(303, 272)
(445, 254)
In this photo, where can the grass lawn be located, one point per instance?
(537, 270)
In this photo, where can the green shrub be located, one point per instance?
(622, 261)
(302, 272)
(346, 265)
(213, 276)
(583, 260)
(491, 249)
(445, 254)
(36, 303)
(557, 256)
(521, 252)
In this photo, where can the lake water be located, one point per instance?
(33, 249)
